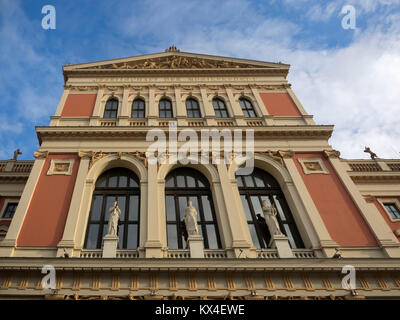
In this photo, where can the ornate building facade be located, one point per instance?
(331, 212)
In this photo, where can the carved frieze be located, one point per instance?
(175, 62)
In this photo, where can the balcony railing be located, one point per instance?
(303, 253)
(121, 254)
(365, 166)
(267, 254)
(24, 166)
(108, 123)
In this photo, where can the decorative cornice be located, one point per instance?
(295, 132)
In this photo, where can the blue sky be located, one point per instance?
(349, 78)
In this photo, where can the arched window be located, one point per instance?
(247, 108)
(138, 108)
(165, 108)
(192, 108)
(182, 185)
(220, 108)
(115, 184)
(253, 190)
(111, 109)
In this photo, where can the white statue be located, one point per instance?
(113, 220)
(190, 217)
(270, 218)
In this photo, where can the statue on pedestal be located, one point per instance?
(190, 218)
(115, 212)
(270, 218)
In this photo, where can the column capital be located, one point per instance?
(40, 154)
(332, 153)
(86, 155)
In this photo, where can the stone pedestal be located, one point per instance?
(196, 246)
(281, 243)
(110, 245)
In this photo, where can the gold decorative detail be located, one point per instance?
(85, 154)
(230, 282)
(249, 283)
(113, 89)
(134, 282)
(312, 166)
(24, 282)
(327, 283)
(211, 283)
(307, 283)
(61, 167)
(153, 281)
(96, 156)
(273, 155)
(278, 155)
(175, 62)
(76, 282)
(172, 282)
(96, 282)
(288, 283)
(382, 283)
(364, 283)
(332, 153)
(115, 282)
(59, 281)
(269, 283)
(369, 199)
(287, 154)
(192, 282)
(40, 154)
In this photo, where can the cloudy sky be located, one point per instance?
(346, 77)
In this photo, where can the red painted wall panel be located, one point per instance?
(279, 104)
(393, 225)
(342, 218)
(47, 213)
(79, 105)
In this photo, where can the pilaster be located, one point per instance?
(10, 241)
(97, 107)
(241, 239)
(67, 243)
(153, 242)
(384, 235)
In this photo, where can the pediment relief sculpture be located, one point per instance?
(175, 62)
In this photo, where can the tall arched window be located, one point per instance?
(165, 108)
(220, 108)
(115, 184)
(182, 185)
(247, 108)
(192, 108)
(253, 190)
(138, 107)
(111, 109)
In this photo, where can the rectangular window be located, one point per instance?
(393, 210)
(10, 210)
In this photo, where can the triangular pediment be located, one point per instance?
(175, 60)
